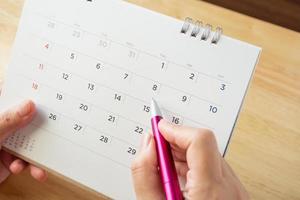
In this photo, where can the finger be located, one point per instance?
(6, 158)
(15, 118)
(202, 153)
(181, 168)
(4, 172)
(145, 167)
(180, 136)
(17, 166)
(179, 156)
(38, 173)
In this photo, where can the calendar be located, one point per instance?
(92, 68)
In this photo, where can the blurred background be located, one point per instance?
(285, 13)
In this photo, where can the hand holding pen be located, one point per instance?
(197, 160)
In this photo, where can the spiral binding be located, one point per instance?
(203, 32)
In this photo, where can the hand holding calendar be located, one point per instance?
(10, 121)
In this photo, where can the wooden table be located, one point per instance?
(265, 149)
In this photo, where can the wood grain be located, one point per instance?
(265, 148)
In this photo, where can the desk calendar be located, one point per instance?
(92, 68)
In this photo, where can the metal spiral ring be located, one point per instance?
(206, 33)
(186, 26)
(196, 29)
(197, 26)
(217, 35)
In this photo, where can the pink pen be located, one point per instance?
(167, 168)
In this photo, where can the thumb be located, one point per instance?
(145, 173)
(15, 118)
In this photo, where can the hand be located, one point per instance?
(197, 161)
(11, 121)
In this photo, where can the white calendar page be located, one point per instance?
(92, 68)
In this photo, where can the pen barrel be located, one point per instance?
(166, 163)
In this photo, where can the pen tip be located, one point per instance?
(155, 111)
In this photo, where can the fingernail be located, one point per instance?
(24, 108)
(145, 141)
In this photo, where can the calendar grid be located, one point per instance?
(100, 132)
(138, 50)
(86, 148)
(131, 72)
(87, 126)
(65, 69)
(125, 70)
(108, 111)
(128, 95)
(82, 100)
(154, 81)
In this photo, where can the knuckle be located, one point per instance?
(137, 165)
(134, 165)
(137, 171)
(205, 135)
(141, 165)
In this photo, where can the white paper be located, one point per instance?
(92, 69)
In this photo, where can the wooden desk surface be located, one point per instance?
(265, 148)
